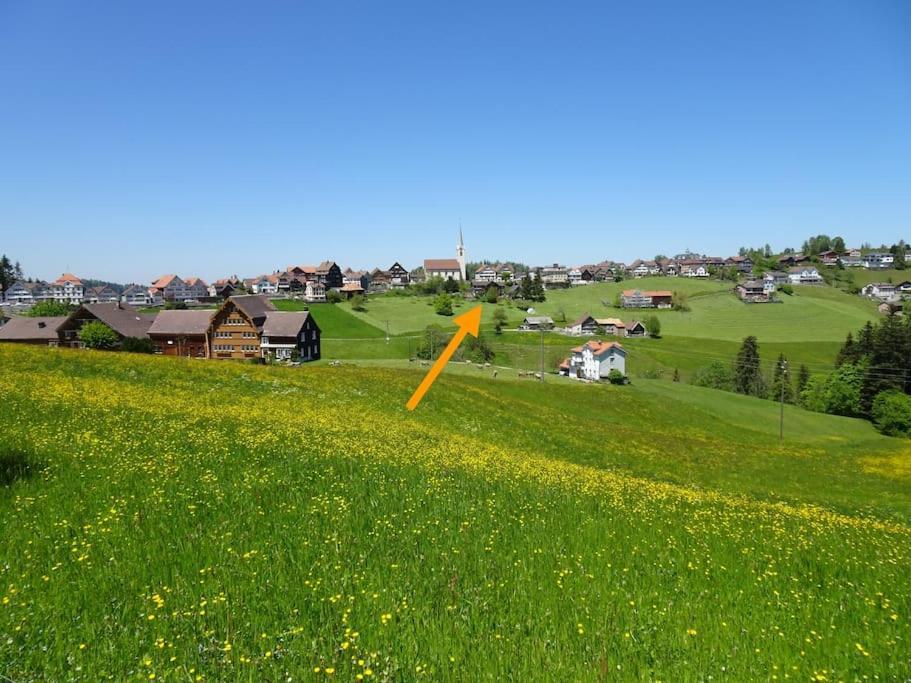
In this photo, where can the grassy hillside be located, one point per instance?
(807, 327)
(811, 314)
(173, 519)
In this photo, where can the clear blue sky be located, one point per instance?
(212, 138)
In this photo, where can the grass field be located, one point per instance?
(862, 276)
(812, 314)
(184, 520)
(807, 327)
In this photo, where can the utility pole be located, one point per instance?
(784, 378)
(542, 354)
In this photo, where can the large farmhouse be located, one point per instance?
(247, 327)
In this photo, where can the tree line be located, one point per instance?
(871, 378)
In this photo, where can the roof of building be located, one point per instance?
(303, 269)
(67, 277)
(539, 320)
(253, 305)
(441, 264)
(601, 348)
(634, 323)
(606, 322)
(351, 287)
(755, 284)
(564, 364)
(124, 320)
(99, 289)
(134, 289)
(325, 266)
(193, 281)
(164, 281)
(284, 323)
(582, 319)
(181, 322)
(637, 292)
(800, 269)
(20, 328)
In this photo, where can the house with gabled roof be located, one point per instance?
(196, 288)
(882, 291)
(25, 330)
(537, 322)
(125, 321)
(635, 298)
(329, 275)
(398, 276)
(101, 294)
(804, 275)
(25, 293)
(181, 333)
(595, 360)
(379, 281)
(612, 326)
(743, 264)
(636, 328)
(585, 324)
(359, 277)
(67, 289)
(170, 288)
(139, 295)
(249, 327)
(351, 290)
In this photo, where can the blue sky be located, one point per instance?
(214, 138)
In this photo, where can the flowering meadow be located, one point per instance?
(181, 520)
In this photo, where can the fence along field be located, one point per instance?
(174, 520)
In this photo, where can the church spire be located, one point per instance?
(460, 253)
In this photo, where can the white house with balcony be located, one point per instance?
(67, 289)
(23, 293)
(595, 360)
(804, 275)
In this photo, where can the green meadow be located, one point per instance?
(808, 326)
(812, 313)
(171, 519)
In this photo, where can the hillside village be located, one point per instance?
(235, 318)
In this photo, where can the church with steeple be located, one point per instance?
(448, 268)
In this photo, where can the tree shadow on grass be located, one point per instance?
(16, 466)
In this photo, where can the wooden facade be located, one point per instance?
(234, 334)
(185, 346)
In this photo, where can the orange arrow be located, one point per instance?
(469, 323)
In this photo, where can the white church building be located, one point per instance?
(447, 268)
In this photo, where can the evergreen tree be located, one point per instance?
(747, 371)
(526, 288)
(885, 369)
(803, 378)
(865, 340)
(7, 273)
(850, 352)
(781, 382)
(537, 289)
